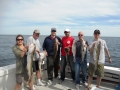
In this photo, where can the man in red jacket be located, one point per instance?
(67, 42)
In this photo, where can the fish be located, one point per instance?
(83, 50)
(74, 49)
(95, 50)
(67, 50)
(55, 48)
(42, 56)
(96, 53)
(30, 59)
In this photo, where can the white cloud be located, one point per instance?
(113, 20)
(58, 13)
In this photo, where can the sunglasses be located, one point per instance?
(96, 33)
(66, 32)
(37, 34)
(80, 35)
(19, 39)
(53, 31)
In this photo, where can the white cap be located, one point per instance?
(67, 30)
(36, 31)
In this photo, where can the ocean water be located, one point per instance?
(8, 41)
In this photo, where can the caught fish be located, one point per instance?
(30, 58)
(83, 50)
(96, 52)
(41, 59)
(55, 48)
(67, 50)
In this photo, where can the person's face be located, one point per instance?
(19, 40)
(80, 35)
(67, 33)
(53, 33)
(36, 35)
(97, 35)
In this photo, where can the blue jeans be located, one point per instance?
(63, 65)
(83, 67)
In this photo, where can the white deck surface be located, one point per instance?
(69, 85)
(7, 80)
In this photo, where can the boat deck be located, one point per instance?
(68, 84)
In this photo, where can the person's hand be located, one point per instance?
(46, 53)
(74, 59)
(85, 45)
(75, 42)
(99, 42)
(93, 45)
(27, 46)
(58, 43)
(67, 48)
(38, 51)
(110, 61)
(24, 49)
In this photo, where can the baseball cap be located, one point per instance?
(97, 31)
(53, 29)
(36, 31)
(67, 30)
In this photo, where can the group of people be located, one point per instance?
(74, 57)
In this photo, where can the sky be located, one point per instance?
(24, 16)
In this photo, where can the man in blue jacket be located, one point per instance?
(48, 46)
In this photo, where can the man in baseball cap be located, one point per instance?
(34, 39)
(52, 62)
(67, 42)
(36, 31)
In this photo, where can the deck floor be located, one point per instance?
(68, 84)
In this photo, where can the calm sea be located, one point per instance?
(7, 42)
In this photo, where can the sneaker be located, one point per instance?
(85, 84)
(34, 87)
(40, 83)
(23, 88)
(49, 82)
(77, 87)
(60, 81)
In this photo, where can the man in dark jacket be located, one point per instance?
(48, 46)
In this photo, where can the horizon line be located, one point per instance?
(60, 35)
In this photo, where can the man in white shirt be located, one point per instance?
(34, 40)
(97, 49)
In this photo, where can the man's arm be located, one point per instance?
(44, 45)
(108, 54)
(59, 42)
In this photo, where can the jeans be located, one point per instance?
(63, 65)
(52, 64)
(83, 67)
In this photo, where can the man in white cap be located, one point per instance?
(34, 40)
(67, 42)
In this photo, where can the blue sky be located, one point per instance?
(23, 16)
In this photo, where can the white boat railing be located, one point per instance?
(8, 79)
